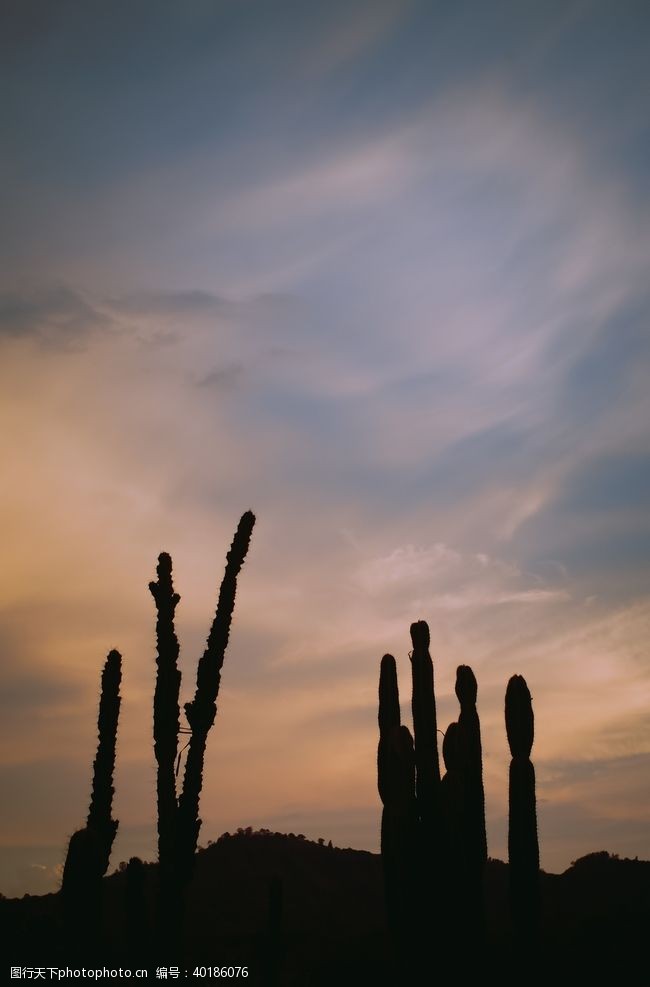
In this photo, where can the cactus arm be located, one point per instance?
(101, 798)
(202, 710)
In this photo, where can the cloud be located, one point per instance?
(170, 305)
(223, 377)
(56, 316)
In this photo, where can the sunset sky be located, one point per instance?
(379, 271)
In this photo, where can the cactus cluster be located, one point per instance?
(433, 834)
(178, 817)
(178, 820)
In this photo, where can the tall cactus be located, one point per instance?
(396, 785)
(425, 731)
(90, 848)
(202, 710)
(101, 798)
(409, 785)
(523, 847)
(453, 865)
(166, 725)
(431, 888)
(471, 766)
(178, 820)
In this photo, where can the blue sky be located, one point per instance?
(380, 272)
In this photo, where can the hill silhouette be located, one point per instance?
(333, 922)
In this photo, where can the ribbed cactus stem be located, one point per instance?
(202, 710)
(452, 800)
(101, 798)
(523, 846)
(89, 849)
(166, 725)
(520, 720)
(472, 765)
(451, 750)
(473, 819)
(396, 785)
(427, 766)
(389, 720)
(399, 836)
(452, 794)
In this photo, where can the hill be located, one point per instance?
(333, 927)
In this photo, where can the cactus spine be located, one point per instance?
(523, 847)
(90, 848)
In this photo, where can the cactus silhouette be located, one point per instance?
(396, 785)
(453, 863)
(523, 847)
(473, 815)
(441, 866)
(425, 731)
(166, 726)
(389, 720)
(413, 831)
(202, 710)
(430, 878)
(178, 817)
(90, 848)
(452, 794)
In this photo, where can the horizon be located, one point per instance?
(378, 272)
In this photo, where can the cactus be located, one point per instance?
(389, 719)
(202, 710)
(166, 726)
(452, 802)
(178, 821)
(90, 848)
(448, 848)
(425, 732)
(471, 767)
(430, 885)
(452, 794)
(523, 847)
(396, 785)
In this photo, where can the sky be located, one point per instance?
(378, 271)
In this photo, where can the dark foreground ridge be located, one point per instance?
(304, 913)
